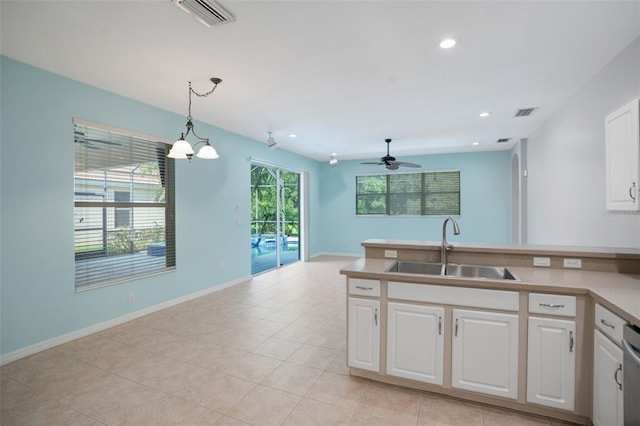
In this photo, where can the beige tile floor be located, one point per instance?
(266, 352)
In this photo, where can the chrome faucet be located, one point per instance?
(446, 246)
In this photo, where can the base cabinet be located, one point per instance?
(607, 382)
(415, 342)
(485, 352)
(364, 334)
(551, 366)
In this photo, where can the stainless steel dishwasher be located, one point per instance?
(631, 347)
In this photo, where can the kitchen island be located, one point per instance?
(526, 344)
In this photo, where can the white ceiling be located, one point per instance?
(343, 75)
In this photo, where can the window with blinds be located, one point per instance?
(414, 194)
(124, 206)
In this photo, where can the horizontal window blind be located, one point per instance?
(429, 193)
(124, 208)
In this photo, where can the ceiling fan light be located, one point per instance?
(207, 152)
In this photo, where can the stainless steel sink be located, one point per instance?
(421, 268)
(474, 271)
(452, 270)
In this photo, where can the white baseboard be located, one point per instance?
(68, 337)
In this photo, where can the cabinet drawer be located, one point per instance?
(552, 304)
(459, 296)
(609, 323)
(364, 287)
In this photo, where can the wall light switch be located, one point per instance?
(573, 263)
(391, 253)
(541, 261)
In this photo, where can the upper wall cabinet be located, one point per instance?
(622, 139)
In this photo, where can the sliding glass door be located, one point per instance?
(275, 217)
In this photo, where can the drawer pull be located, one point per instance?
(551, 305)
(364, 288)
(607, 323)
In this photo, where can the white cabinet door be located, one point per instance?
(551, 366)
(485, 352)
(415, 342)
(364, 334)
(622, 141)
(607, 382)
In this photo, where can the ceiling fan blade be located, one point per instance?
(392, 167)
(377, 163)
(404, 164)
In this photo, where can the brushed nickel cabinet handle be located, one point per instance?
(571, 341)
(364, 288)
(615, 376)
(551, 305)
(607, 323)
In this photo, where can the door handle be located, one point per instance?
(439, 325)
(632, 191)
(456, 331)
(615, 376)
(375, 316)
(629, 350)
(571, 341)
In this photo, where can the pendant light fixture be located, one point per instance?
(182, 149)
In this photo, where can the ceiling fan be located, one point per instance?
(390, 162)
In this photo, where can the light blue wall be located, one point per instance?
(38, 300)
(485, 198)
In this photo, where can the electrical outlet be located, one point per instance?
(573, 263)
(391, 253)
(130, 299)
(541, 261)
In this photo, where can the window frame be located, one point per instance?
(423, 194)
(111, 207)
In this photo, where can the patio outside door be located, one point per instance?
(275, 217)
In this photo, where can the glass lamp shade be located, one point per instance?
(181, 149)
(208, 152)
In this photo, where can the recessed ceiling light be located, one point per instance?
(293, 135)
(485, 114)
(448, 43)
(475, 143)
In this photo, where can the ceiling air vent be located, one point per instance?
(525, 112)
(503, 140)
(208, 12)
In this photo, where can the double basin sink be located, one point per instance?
(452, 270)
